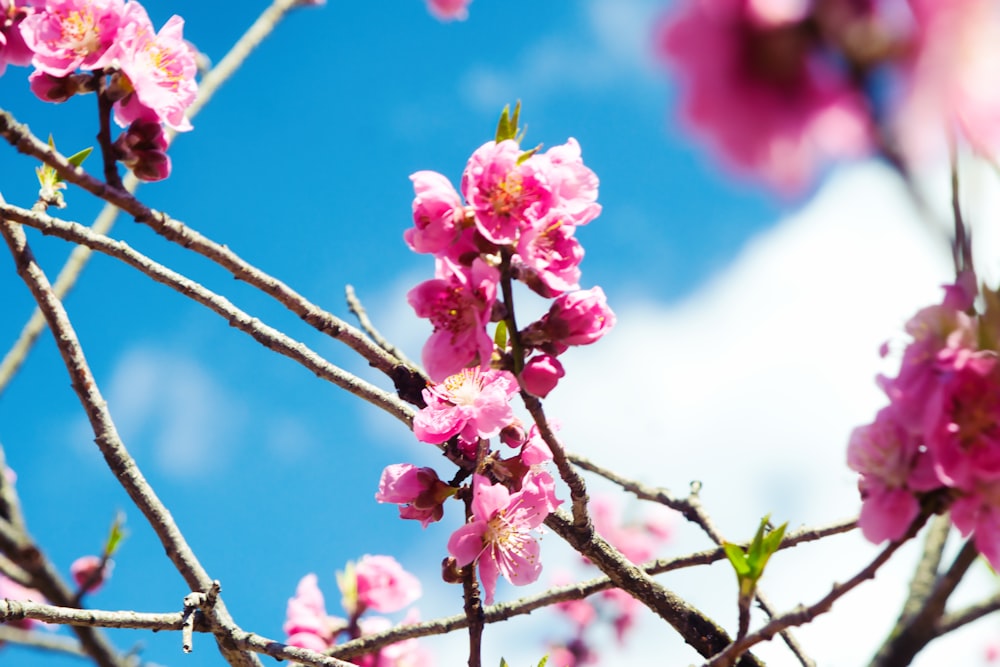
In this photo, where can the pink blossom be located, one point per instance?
(574, 185)
(627, 613)
(407, 653)
(574, 318)
(541, 374)
(306, 622)
(66, 35)
(755, 84)
(548, 257)
(383, 584)
(418, 492)
(580, 612)
(85, 571)
(13, 50)
(634, 541)
(978, 512)
(459, 306)
(437, 214)
(160, 67)
(498, 536)
(952, 77)
(472, 403)
(449, 10)
(505, 196)
(887, 455)
(56, 89)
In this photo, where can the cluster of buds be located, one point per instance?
(376, 583)
(79, 46)
(937, 443)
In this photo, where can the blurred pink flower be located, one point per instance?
(13, 50)
(498, 536)
(86, 567)
(754, 85)
(383, 584)
(306, 622)
(449, 10)
(11, 590)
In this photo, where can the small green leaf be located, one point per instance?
(507, 125)
(77, 158)
(738, 558)
(503, 663)
(543, 661)
(115, 535)
(500, 335)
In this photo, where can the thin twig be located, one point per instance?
(105, 220)
(974, 612)
(268, 336)
(42, 640)
(106, 435)
(693, 510)
(357, 308)
(802, 614)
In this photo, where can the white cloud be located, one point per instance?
(609, 43)
(173, 403)
(752, 386)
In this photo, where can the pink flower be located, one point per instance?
(548, 257)
(13, 50)
(306, 622)
(541, 374)
(952, 78)
(505, 196)
(418, 492)
(756, 85)
(574, 185)
(160, 67)
(383, 584)
(437, 214)
(143, 149)
(407, 653)
(498, 536)
(449, 10)
(636, 542)
(66, 35)
(85, 571)
(472, 404)
(459, 306)
(575, 318)
(978, 512)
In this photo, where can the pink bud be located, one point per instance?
(579, 318)
(541, 374)
(86, 575)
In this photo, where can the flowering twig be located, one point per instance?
(105, 220)
(802, 614)
(106, 435)
(268, 336)
(692, 509)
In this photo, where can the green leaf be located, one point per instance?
(77, 158)
(116, 535)
(543, 661)
(500, 335)
(750, 564)
(738, 558)
(507, 125)
(503, 663)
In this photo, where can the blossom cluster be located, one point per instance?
(780, 87)
(939, 436)
(520, 220)
(78, 46)
(377, 583)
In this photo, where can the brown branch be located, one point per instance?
(974, 612)
(267, 336)
(19, 136)
(357, 308)
(105, 220)
(42, 640)
(106, 435)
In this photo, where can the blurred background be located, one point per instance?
(745, 351)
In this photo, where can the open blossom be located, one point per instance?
(548, 256)
(66, 35)
(160, 67)
(459, 306)
(306, 622)
(383, 584)
(505, 196)
(472, 403)
(756, 87)
(498, 536)
(573, 184)
(449, 10)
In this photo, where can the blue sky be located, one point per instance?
(301, 165)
